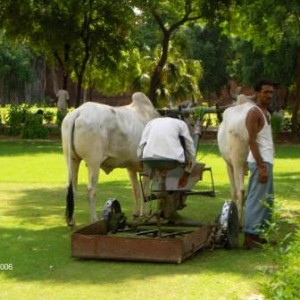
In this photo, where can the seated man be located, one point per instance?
(168, 138)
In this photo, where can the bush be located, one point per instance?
(277, 123)
(48, 117)
(21, 121)
(287, 123)
(33, 127)
(59, 118)
(16, 116)
(285, 284)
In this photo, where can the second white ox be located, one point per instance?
(233, 143)
(104, 137)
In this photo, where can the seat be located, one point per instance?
(161, 164)
(158, 168)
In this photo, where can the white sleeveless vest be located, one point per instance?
(265, 143)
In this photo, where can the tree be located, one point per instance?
(270, 31)
(169, 16)
(117, 80)
(178, 79)
(212, 48)
(15, 69)
(74, 34)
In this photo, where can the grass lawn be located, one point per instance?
(35, 241)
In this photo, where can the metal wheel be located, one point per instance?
(228, 232)
(113, 215)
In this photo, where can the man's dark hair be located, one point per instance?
(262, 82)
(170, 114)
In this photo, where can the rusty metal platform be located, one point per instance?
(94, 242)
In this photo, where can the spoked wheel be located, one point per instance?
(228, 226)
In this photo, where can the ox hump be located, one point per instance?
(143, 106)
(234, 120)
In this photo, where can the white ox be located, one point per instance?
(233, 143)
(104, 137)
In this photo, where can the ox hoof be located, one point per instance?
(71, 223)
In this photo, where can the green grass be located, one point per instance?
(36, 241)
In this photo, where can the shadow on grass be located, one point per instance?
(38, 243)
(287, 151)
(32, 147)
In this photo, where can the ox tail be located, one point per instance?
(70, 205)
(71, 159)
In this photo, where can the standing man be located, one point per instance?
(169, 138)
(260, 198)
(62, 101)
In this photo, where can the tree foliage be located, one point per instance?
(15, 69)
(170, 16)
(71, 33)
(110, 45)
(93, 35)
(118, 80)
(209, 46)
(269, 45)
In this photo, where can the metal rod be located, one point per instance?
(147, 231)
(176, 233)
(204, 193)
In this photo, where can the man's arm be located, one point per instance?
(190, 153)
(254, 123)
(143, 141)
(190, 150)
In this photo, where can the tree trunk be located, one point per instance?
(54, 81)
(156, 75)
(78, 94)
(296, 104)
(65, 80)
(155, 78)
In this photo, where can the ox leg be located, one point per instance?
(93, 180)
(146, 187)
(239, 172)
(75, 169)
(236, 191)
(139, 206)
(233, 192)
